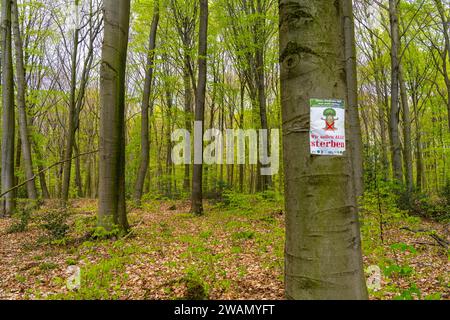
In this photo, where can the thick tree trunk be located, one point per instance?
(353, 107)
(323, 248)
(145, 108)
(112, 206)
(7, 204)
(197, 178)
(21, 104)
(395, 108)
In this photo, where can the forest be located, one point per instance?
(225, 150)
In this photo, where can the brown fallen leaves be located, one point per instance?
(172, 254)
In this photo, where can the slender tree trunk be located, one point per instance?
(21, 103)
(353, 107)
(112, 206)
(264, 181)
(70, 135)
(383, 104)
(188, 118)
(395, 108)
(407, 149)
(42, 179)
(7, 204)
(197, 178)
(78, 179)
(145, 136)
(241, 126)
(323, 247)
(445, 25)
(419, 159)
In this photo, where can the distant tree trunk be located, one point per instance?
(407, 149)
(241, 126)
(21, 104)
(145, 106)
(112, 206)
(7, 204)
(265, 181)
(323, 248)
(419, 159)
(78, 179)
(445, 25)
(197, 178)
(383, 104)
(353, 106)
(169, 144)
(70, 133)
(77, 98)
(395, 109)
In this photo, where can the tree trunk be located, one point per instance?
(323, 248)
(419, 159)
(353, 107)
(78, 179)
(7, 204)
(112, 206)
(70, 134)
(197, 178)
(395, 108)
(145, 136)
(445, 26)
(407, 149)
(21, 104)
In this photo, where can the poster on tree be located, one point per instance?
(327, 127)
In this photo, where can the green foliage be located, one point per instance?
(196, 288)
(410, 294)
(100, 233)
(243, 235)
(21, 219)
(55, 224)
(396, 270)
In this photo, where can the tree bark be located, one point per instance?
(323, 248)
(446, 55)
(70, 134)
(197, 178)
(7, 203)
(353, 105)
(395, 108)
(21, 104)
(407, 148)
(112, 206)
(145, 108)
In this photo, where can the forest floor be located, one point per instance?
(233, 252)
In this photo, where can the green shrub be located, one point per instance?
(21, 220)
(55, 224)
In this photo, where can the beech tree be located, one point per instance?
(323, 247)
(197, 178)
(145, 109)
(7, 203)
(112, 206)
(21, 104)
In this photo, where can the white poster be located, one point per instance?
(327, 127)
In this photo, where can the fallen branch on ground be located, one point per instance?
(441, 241)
